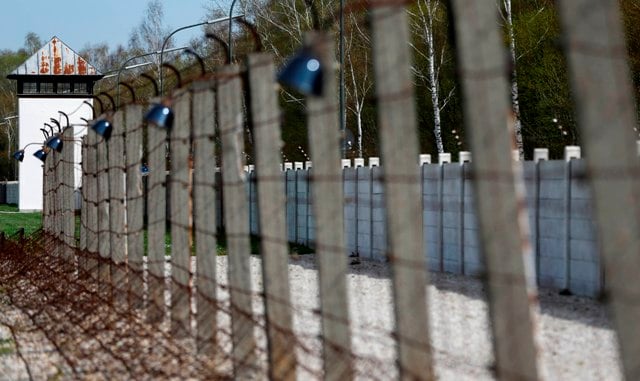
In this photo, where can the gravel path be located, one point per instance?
(574, 334)
(575, 338)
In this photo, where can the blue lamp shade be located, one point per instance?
(55, 143)
(144, 169)
(41, 154)
(303, 73)
(160, 116)
(103, 128)
(19, 155)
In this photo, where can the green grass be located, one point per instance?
(11, 220)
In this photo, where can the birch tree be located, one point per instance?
(149, 35)
(358, 79)
(426, 16)
(515, 101)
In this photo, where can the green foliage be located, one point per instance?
(544, 89)
(543, 81)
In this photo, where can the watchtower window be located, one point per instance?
(46, 87)
(29, 88)
(64, 88)
(80, 88)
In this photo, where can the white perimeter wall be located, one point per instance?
(34, 112)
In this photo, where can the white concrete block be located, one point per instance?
(374, 162)
(288, 166)
(571, 152)
(638, 146)
(346, 163)
(246, 168)
(464, 157)
(444, 158)
(540, 154)
(298, 165)
(358, 162)
(425, 158)
(252, 167)
(308, 164)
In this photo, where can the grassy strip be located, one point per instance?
(11, 220)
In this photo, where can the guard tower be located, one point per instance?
(54, 79)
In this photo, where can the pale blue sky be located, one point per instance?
(80, 22)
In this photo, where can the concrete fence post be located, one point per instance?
(328, 208)
(205, 218)
(272, 204)
(156, 229)
(571, 152)
(374, 162)
(230, 119)
(424, 158)
(500, 204)
(464, 157)
(540, 154)
(135, 205)
(398, 135)
(444, 158)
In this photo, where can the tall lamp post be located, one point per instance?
(230, 43)
(166, 41)
(342, 107)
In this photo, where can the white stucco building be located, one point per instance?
(54, 79)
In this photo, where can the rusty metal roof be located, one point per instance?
(55, 58)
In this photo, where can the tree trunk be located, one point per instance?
(433, 79)
(515, 103)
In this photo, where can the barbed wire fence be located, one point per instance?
(116, 301)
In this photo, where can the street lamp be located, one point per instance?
(166, 40)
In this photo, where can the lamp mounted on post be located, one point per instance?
(303, 71)
(103, 125)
